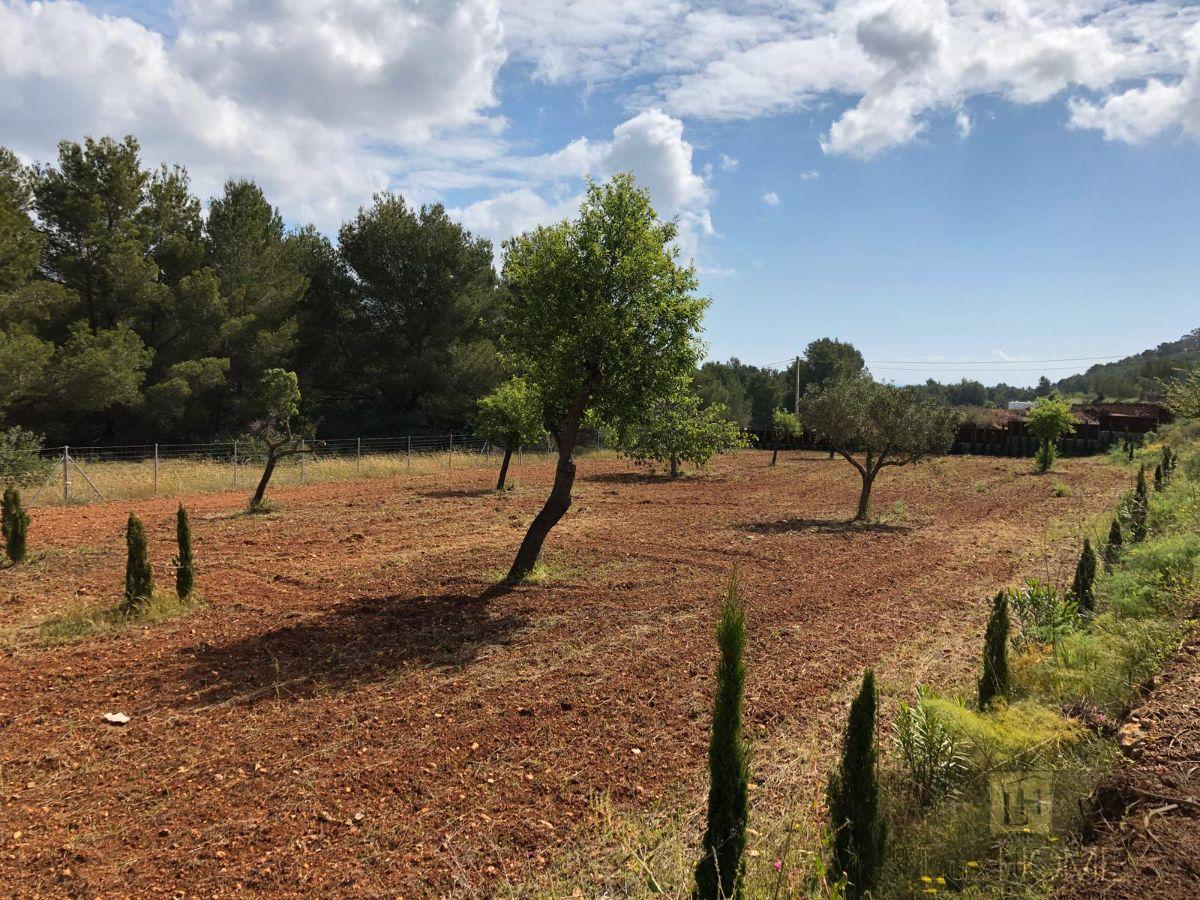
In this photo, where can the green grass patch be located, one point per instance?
(89, 621)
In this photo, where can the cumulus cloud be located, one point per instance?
(771, 198)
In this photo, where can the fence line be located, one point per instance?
(85, 474)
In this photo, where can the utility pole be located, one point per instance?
(797, 409)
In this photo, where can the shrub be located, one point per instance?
(15, 523)
(1159, 483)
(185, 565)
(139, 575)
(719, 871)
(1012, 735)
(1083, 590)
(1112, 548)
(933, 756)
(858, 828)
(1049, 420)
(1139, 509)
(1043, 616)
(19, 457)
(994, 681)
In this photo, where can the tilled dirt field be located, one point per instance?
(354, 713)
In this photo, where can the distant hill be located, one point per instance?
(1138, 376)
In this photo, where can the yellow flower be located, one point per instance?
(1054, 838)
(971, 864)
(927, 879)
(940, 880)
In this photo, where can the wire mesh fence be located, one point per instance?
(70, 474)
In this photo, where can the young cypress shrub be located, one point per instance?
(994, 681)
(185, 564)
(1159, 478)
(1112, 549)
(1139, 509)
(15, 523)
(139, 575)
(1083, 588)
(719, 871)
(854, 818)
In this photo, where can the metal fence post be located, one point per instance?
(156, 470)
(302, 455)
(66, 462)
(450, 452)
(408, 455)
(235, 463)
(358, 455)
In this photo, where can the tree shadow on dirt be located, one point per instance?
(459, 493)
(628, 478)
(824, 526)
(358, 642)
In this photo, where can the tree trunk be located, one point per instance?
(556, 507)
(508, 452)
(775, 453)
(674, 465)
(268, 471)
(864, 498)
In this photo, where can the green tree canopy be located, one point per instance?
(1048, 420)
(510, 415)
(677, 430)
(873, 425)
(602, 319)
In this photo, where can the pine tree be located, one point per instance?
(1140, 509)
(994, 681)
(185, 564)
(719, 871)
(139, 575)
(1112, 549)
(854, 819)
(15, 523)
(1083, 588)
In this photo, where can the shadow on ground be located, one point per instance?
(824, 526)
(458, 493)
(357, 642)
(628, 478)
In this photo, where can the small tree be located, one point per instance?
(139, 574)
(1159, 478)
(854, 818)
(602, 319)
(185, 564)
(1049, 420)
(15, 523)
(784, 425)
(279, 396)
(1112, 547)
(882, 424)
(511, 415)
(1139, 508)
(1083, 588)
(719, 871)
(1182, 394)
(677, 430)
(995, 681)
(1168, 461)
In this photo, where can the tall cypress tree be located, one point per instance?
(1140, 509)
(15, 523)
(1159, 478)
(1112, 549)
(1083, 588)
(139, 575)
(858, 829)
(994, 681)
(719, 871)
(185, 565)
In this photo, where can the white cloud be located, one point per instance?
(810, 175)
(1004, 356)
(728, 163)
(771, 198)
(963, 124)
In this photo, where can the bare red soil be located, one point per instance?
(353, 712)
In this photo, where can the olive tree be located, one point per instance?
(511, 415)
(1048, 420)
(678, 430)
(873, 425)
(279, 398)
(602, 319)
(784, 425)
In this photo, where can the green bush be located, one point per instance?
(19, 459)
(1043, 617)
(14, 521)
(853, 796)
(933, 757)
(139, 574)
(185, 564)
(1112, 547)
(994, 683)
(1083, 587)
(719, 871)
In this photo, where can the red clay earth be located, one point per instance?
(1151, 846)
(354, 713)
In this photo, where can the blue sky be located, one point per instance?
(938, 181)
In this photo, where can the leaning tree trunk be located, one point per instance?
(556, 507)
(775, 453)
(268, 471)
(508, 452)
(674, 465)
(864, 497)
